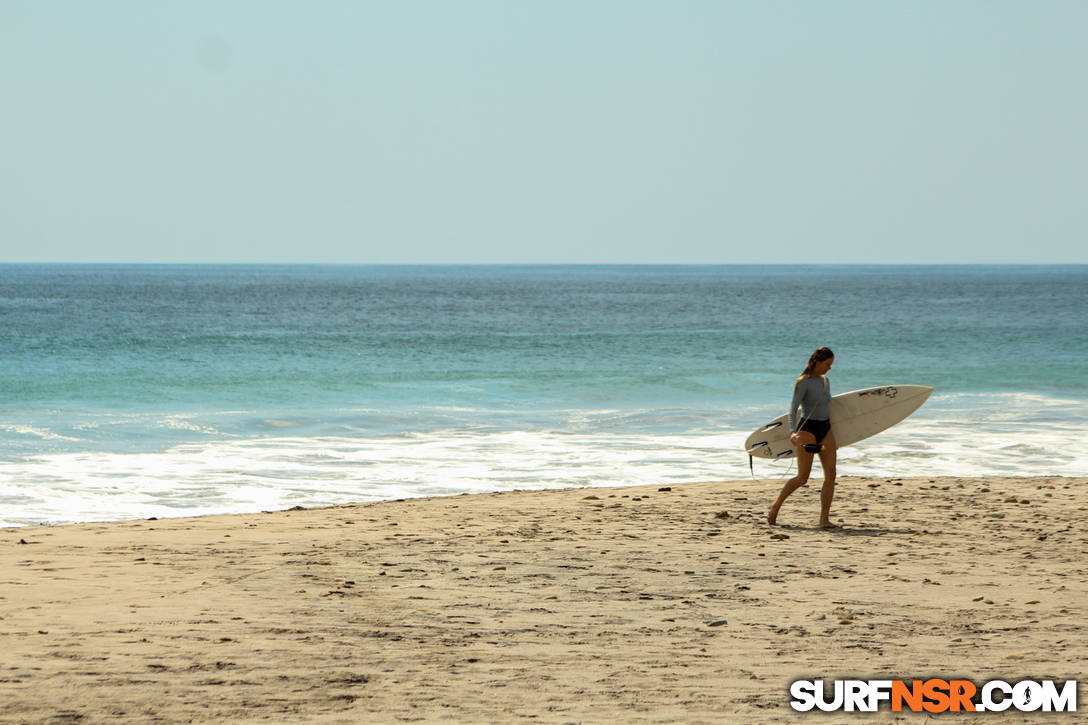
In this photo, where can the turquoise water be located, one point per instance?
(132, 391)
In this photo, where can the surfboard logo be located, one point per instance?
(889, 392)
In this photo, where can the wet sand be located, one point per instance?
(586, 605)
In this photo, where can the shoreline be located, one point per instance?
(633, 604)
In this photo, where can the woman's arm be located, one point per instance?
(795, 404)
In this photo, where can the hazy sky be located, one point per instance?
(460, 131)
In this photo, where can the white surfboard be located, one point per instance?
(854, 417)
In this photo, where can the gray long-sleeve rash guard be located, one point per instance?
(812, 395)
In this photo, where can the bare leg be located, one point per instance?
(828, 458)
(804, 470)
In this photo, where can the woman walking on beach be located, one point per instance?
(812, 433)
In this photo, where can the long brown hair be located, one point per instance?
(821, 354)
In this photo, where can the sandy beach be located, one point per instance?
(602, 605)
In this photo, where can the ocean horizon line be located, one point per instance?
(553, 265)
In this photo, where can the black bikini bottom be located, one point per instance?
(818, 428)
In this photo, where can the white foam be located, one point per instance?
(258, 474)
(186, 423)
(990, 435)
(42, 433)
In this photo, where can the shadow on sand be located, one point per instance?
(847, 530)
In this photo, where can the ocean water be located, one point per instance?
(138, 391)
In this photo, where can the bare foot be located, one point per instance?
(828, 525)
(772, 514)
